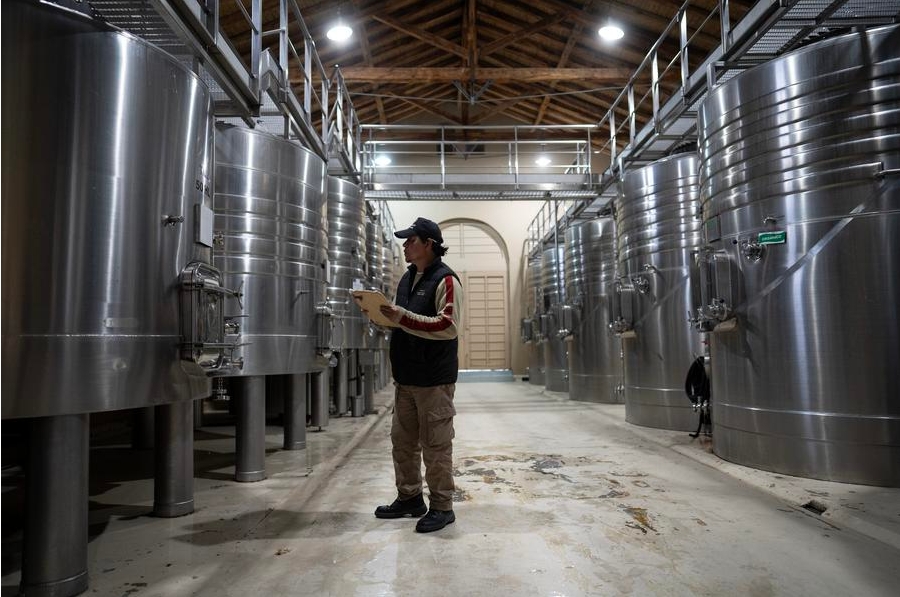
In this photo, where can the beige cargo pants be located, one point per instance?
(422, 430)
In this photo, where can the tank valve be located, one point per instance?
(641, 284)
(752, 250)
(716, 310)
(171, 220)
(619, 326)
(232, 325)
(712, 317)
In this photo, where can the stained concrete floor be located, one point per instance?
(554, 497)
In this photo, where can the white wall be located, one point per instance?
(510, 219)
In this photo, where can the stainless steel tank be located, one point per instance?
(658, 227)
(106, 180)
(347, 255)
(595, 354)
(374, 246)
(556, 363)
(800, 183)
(389, 266)
(534, 301)
(271, 225)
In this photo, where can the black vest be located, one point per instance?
(420, 361)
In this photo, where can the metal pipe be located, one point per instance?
(319, 399)
(54, 551)
(173, 479)
(295, 412)
(250, 432)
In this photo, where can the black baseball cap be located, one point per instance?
(424, 229)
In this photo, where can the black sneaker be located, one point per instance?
(414, 507)
(435, 520)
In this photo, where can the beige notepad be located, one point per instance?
(370, 301)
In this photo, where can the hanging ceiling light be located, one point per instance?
(611, 32)
(340, 31)
(542, 159)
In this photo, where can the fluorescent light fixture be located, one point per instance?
(340, 32)
(611, 32)
(382, 160)
(542, 160)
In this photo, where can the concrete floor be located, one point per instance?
(554, 497)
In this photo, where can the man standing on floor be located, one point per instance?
(425, 367)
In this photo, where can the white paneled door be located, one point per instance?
(481, 264)
(484, 342)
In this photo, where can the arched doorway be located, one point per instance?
(478, 254)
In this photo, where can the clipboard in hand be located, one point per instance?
(370, 302)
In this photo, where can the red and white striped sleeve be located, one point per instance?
(445, 325)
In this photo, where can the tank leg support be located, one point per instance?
(173, 480)
(319, 399)
(340, 385)
(357, 396)
(198, 413)
(295, 412)
(250, 432)
(54, 553)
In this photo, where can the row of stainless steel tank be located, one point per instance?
(147, 251)
(770, 253)
(363, 256)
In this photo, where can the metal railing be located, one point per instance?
(670, 90)
(427, 159)
(677, 69)
(344, 131)
(282, 88)
(297, 82)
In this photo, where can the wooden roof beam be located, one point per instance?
(426, 108)
(422, 35)
(363, 74)
(516, 36)
(563, 58)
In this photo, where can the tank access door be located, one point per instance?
(209, 337)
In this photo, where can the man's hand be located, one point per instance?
(392, 312)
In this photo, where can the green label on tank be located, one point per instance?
(772, 238)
